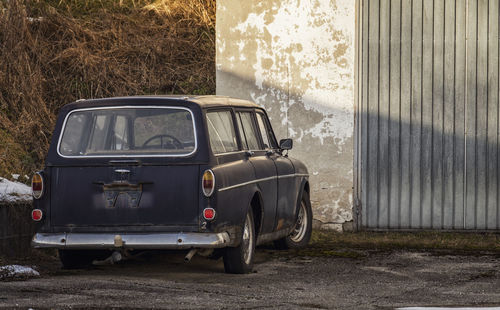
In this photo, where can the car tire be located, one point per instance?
(301, 233)
(75, 259)
(239, 259)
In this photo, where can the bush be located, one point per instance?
(53, 52)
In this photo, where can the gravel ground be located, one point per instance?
(367, 280)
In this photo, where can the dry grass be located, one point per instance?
(362, 244)
(53, 52)
(468, 243)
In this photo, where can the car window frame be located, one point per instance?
(127, 106)
(233, 117)
(269, 128)
(255, 126)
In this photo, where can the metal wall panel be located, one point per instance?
(428, 120)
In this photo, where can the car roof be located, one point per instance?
(202, 101)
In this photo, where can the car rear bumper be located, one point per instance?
(151, 241)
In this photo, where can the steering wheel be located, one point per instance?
(174, 141)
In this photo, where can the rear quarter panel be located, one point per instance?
(232, 203)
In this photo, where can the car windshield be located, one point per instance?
(128, 131)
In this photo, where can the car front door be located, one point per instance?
(287, 182)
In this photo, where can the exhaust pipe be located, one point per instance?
(114, 258)
(190, 255)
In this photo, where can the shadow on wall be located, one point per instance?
(323, 140)
(419, 170)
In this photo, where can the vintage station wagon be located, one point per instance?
(202, 174)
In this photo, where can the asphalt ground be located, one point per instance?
(313, 279)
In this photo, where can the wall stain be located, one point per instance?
(299, 65)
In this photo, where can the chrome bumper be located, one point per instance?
(150, 241)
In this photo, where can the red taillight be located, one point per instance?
(36, 215)
(209, 214)
(208, 183)
(37, 185)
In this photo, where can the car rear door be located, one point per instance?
(117, 188)
(232, 170)
(265, 169)
(123, 195)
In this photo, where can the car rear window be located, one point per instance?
(128, 131)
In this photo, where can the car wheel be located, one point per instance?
(301, 233)
(74, 259)
(240, 259)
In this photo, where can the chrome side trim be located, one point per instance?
(262, 180)
(293, 175)
(130, 155)
(246, 183)
(228, 153)
(302, 175)
(152, 241)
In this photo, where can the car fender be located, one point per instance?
(300, 194)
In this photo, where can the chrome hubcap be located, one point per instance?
(247, 240)
(300, 229)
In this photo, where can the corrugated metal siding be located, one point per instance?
(429, 114)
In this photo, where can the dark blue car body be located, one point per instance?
(110, 200)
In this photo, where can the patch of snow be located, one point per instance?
(14, 191)
(15, 176)
(17, 271)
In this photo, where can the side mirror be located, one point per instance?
(286, 144)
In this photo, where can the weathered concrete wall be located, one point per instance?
(296, 58)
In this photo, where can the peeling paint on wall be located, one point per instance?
(296, 58)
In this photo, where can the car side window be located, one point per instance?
(248, 132)
(221, 132)
(265, 130)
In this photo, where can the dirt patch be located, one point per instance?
(387, 279)
(329, 244)
(340, 271)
